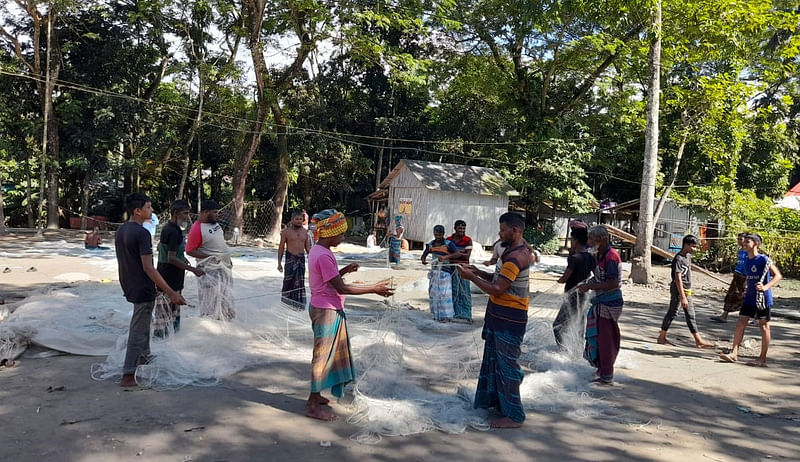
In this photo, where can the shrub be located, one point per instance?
(545, 240)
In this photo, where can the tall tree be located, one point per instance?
(641, 271)
(45, 41)
(305, 21)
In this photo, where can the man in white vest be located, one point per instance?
(206, 243)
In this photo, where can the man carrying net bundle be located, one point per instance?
(295, 243)
(172, 265)
(139, 278)
(462, 297)
(504, 325)
(440, 290)
(331, 364)
(206, 243)
(580, 264)
(602, 319)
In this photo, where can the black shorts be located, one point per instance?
(753, 312)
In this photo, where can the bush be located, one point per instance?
(545, 240)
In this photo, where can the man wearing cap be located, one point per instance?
(206, 243)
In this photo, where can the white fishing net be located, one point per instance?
(215, 288)
(414, 374)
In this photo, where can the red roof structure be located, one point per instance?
(795, 191)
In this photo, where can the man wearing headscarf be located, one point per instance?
(331, 364)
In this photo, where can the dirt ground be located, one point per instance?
(677, 403)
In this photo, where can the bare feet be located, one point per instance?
(323, 401)
(704, 345)
(317, 413)
(664, 341)
(504, 422)
(128, 380)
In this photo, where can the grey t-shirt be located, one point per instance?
(682, 266)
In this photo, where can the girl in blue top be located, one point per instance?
(761, 276)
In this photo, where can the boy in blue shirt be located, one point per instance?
(761, 275)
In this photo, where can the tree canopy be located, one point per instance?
(309, 103)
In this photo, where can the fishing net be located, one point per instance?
(215, 288)
(257, 220)
(414, 374)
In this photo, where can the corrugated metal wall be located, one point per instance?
(480, 212)
(673, 220)
(406, 185)
(430, 208)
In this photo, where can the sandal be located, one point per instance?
(6, 363)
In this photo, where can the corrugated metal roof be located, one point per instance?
(453, 177)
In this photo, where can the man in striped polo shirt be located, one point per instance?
(504, 325)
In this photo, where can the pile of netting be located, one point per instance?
(414, 374)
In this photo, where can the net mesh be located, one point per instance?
(257, 221)
(414, 374)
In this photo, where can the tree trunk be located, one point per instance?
(85, 199)
(379, 167)
(673, 177)
(269, 88)
(282, 186)
(192, 132)
(129, 181)
(253, 15)
(307, 193)
(53, 68)
(243, 165)
(200, 179)
(2, 210)
(28, 198)
(52, 181)
(641, 270)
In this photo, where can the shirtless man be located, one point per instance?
(93, 240)
(294, 240)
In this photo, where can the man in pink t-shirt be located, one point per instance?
(331, 365)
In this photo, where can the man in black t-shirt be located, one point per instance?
(139, 278)
(172, 261)
(579, 267)
(680, 293)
